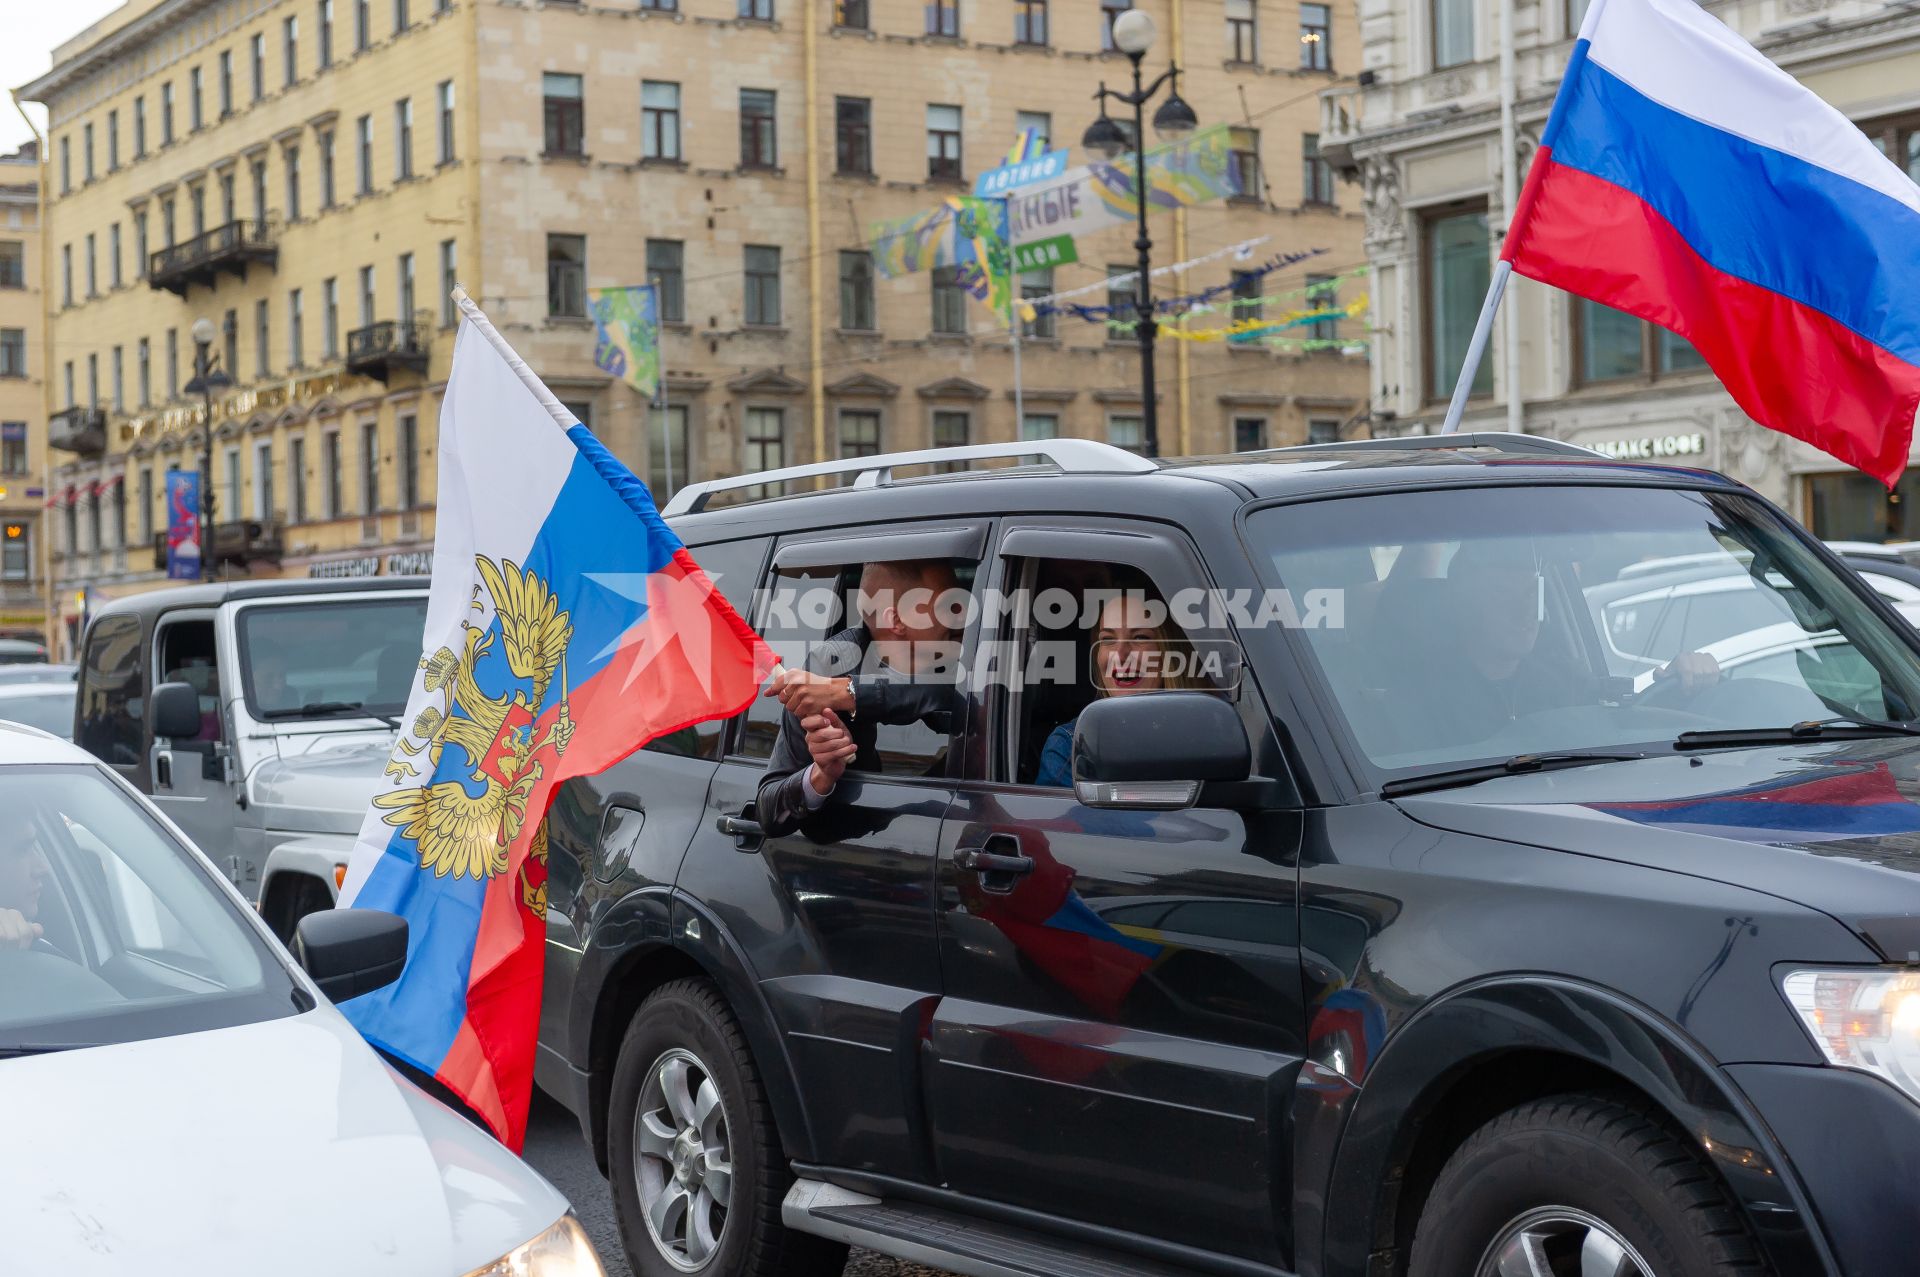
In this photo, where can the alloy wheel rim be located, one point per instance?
(1559, 1241)
(683, 1164)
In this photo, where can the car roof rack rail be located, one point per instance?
(1498, 440)
(1070, 456)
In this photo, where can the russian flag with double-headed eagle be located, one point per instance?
(1685, 179)
(566, 627)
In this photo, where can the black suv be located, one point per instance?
(1520, 881)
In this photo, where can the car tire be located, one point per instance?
(685, 1068)
(1573, 1178)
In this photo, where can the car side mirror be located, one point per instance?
(349, 952)
(175, 709)
(1157, 749)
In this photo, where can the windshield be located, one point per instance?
(50, 711)
(1476, 624)
(109, 931)
(319, 659)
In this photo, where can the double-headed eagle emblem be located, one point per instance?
(458, 831)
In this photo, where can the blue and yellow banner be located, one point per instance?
(626, 334)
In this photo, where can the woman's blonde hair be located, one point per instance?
(1167, 635)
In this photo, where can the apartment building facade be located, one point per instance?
(1421, 138)
(23, 414)
(313, 175)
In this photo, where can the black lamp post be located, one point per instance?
(1133, 35)
(208, 377)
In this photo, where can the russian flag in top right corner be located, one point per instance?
(1685, 179)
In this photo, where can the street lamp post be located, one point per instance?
(208, 377)
(1133, 35)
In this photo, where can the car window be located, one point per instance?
(110, 931)
(734, 568)
(110, 713)
(1479, 639)
(185, 653)
(299, 657)
(50, 711)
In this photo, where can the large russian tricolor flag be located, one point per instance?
(1685, 179)
(566, 627)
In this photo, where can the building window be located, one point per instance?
(402, 19)
(363, 130)
(330, 463)
(113, 141)
(951, 429)
(263, 479)
(173, 365)
(1242, 45)
(297, 479)
(226, 83)
(290, 159)
(362, 25)
(258, 48)
(1249, 434)
(86, 146)
(1456, 283)
(661, 6)
(580, 410)
(140, 244)
(660, 120)
(227, 213)
(856, 291)
(764, 441)
(763, 286)
(756, 10)
(943, 18)
(290, 48)
(232, 459)
(366, 296)
(850, 14)
(260, 191)
(409, 462)
(405, 313)
(296, 332)
(859, 432)
(166, 114)
(139, 127)
(66, 274)
(1616, 346)
(1316, 175)
(403, 139)
(1243, 163)
(1323, 293)
(1120, 294)
(567, 276)
(1030, 22)
(1126, 430)
(1452, 32)
(1039, 425)
(667, 456)
(1109, 11)
(324, 143)
(145, 360)
(66, 164)
(1316, 37)
(263, 354)
(323, 36)
(146, 505)
(230, 334)
(119, 379)
(197, 196)
(16, 552)
(13, 263)
(667, 273)
(1037, 283)
(93, 274)
(196, 119)
(943, 143)
(1041, 122)
(113, 256)
(444, 98)
(13, 352)
(853, 136)
(759, 146)
(949, 301)
(565, 113)
(1246, 298)
(370, 467)
(449, 276)
(1323, 431)
(330, 318)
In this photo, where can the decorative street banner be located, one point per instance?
(1094, 197)
(626, 334)
(183, 524)
(966, 233)
(1008, 177)
(1044, 254)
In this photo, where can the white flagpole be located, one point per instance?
(483, 326)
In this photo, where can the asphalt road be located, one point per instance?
(556, 1150)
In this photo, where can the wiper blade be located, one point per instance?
(1517, 765)
(324, 709)
(1844, 728)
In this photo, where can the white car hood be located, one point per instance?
(287, 1148)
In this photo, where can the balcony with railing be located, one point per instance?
(78, 430)
(232, 248)
(378, 349)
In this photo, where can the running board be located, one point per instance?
(942, 1239)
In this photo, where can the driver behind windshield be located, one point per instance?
(23, 869)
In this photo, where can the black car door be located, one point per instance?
(836, 919)
(1122, 1021)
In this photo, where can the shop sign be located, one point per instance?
(410, 563)
(1653, 447)
(400, 563)
(336, 569)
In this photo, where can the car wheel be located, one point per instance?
(696, 1162)
(1579, 1186)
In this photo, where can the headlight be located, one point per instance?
(1863, 1019)
(561, 1251)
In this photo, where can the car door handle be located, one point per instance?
(977, 860)
(746, 833)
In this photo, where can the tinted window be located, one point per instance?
(734, 568)
(110, 710)
(50, 711)
(301, 657)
